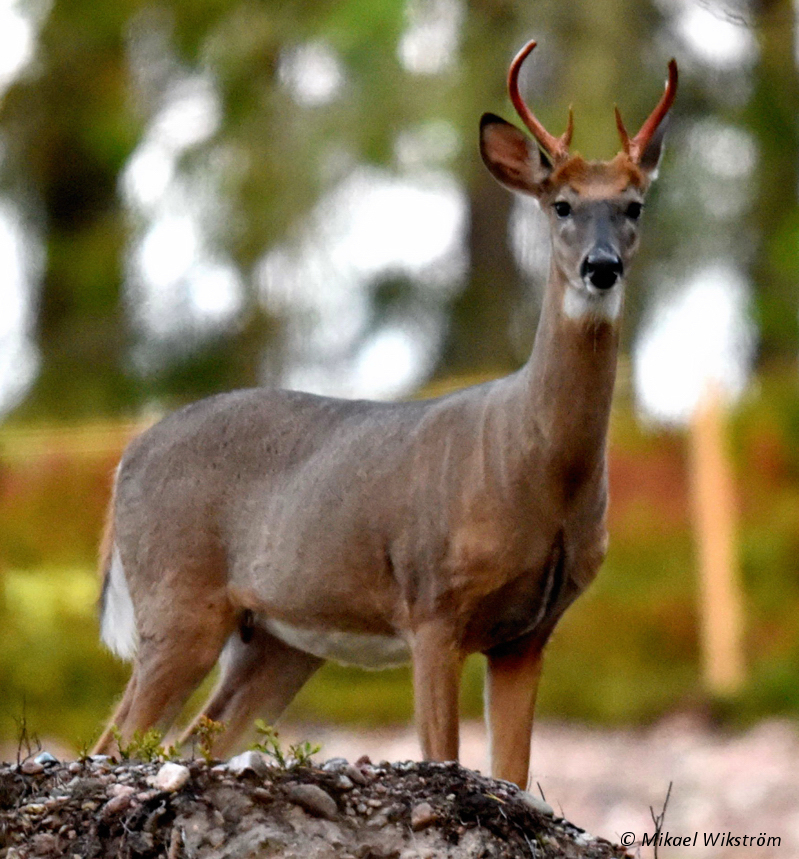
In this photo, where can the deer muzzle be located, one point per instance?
(602, 268)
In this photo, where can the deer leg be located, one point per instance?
(169, 666)
(259, 679)
(437, 663)
(512, 676)
(105, 744)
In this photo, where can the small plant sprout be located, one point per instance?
(299, 754)
(145, 746)
(205, 733)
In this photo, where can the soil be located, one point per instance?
(97, 808)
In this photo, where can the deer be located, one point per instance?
(273, 530)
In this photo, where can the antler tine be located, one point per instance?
(636, 146)
(556, 147)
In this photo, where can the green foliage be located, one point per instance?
(144, 746)
(45, 472)
(206, 732)
(299, 754)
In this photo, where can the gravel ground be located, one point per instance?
(249, 808)
(745, 784)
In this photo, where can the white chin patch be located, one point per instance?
(585, 302)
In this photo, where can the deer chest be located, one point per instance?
(531, 600)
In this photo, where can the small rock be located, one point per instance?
(44, 844)
(118, 804)
(100, 759)
(422, 815)
(344, 782)
(33, 808)
(216, 838)
(31, 767)
(378, 821)
(170, 778)
(248, 762)
(312, 798)
(335, 764)
(535, 803)
(74, 767)
(355, 774)
(120, 790)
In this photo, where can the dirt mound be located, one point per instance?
(98, 809)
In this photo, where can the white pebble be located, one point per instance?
(251, 761)
(170, 778)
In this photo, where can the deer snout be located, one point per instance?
(602, 267)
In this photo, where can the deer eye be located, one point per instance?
(562, 209)
(633, 211)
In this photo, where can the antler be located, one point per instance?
(556, 147)
(636, 146)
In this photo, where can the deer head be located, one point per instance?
(593, 206)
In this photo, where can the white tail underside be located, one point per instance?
(118, 623)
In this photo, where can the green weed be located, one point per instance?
(144, 746)
(299, 754)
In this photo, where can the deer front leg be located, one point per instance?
(511, 686)
(437, 663)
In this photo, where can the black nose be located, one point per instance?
(602, 267)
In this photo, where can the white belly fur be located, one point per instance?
(347, 648)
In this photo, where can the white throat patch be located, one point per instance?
(581, 302)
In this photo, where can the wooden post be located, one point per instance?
(715, 526)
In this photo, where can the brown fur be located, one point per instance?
(106, 545)
(598, 179)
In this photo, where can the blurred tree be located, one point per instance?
(68, 128)
(71, 126)
(772, 117)
(481, 313)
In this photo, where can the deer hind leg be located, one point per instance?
(105, 744)
(260, 677)
(173, 658)
(511, 686)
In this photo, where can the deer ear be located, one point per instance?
(514, 160)
(650, 157)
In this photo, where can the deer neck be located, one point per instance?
(570, 375)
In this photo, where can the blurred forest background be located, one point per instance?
(197, 195)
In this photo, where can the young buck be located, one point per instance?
(273, 530)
